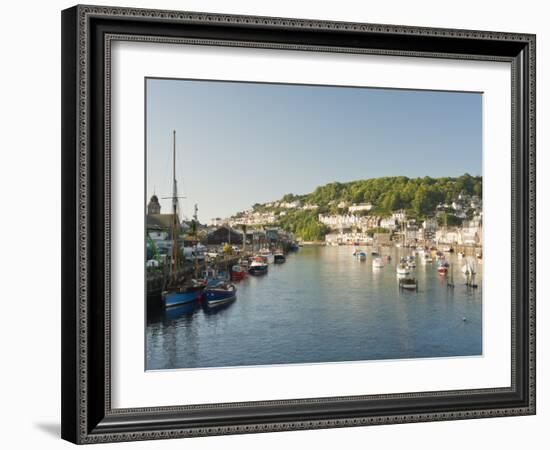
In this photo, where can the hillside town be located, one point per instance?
(458, 223)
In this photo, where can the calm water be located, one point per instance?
(323, 305)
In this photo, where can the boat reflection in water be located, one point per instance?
(185, 309)
(322, 306)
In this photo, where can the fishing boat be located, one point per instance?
(257, 267)
(178, 291)
(377, 263)
(403, 269)
(408, 283)
(265, 252)
(237, 272)
(220, 294)
(279, 258)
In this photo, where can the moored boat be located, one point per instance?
(408, 283)
(182, 294)
(178, 291)
(442, 267)
(468, 268)
(362, 256)
(279, 258)
(403, 269)
(377, 263)
(257, 267)
(220, 294)
(237, 272)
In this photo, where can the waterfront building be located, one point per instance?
(447, 236)
(412, 233)
(310, 207)
(224, 235)
(389, 223)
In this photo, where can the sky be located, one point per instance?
(243, 143)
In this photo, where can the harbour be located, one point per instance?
(323, 304)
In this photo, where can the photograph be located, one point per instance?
(310, 224)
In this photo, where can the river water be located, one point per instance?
(323, 305)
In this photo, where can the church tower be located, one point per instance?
(154, 206)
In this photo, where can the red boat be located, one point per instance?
(237, 273)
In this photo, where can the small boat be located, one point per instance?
(220, 294)
(468, 268)
(377, 263)
(257, 267)
(426, 258)
(237, 273)
(279, 258)
(183, 294)
(212, 276)
(265, 252)
(362, 256)
(408, 283)
(460, 254)
(375, 253)
(403, 269)
(442, 269)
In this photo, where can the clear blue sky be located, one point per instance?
(242, 143)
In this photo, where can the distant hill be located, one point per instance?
(419, 197)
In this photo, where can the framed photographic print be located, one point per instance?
(277, 224)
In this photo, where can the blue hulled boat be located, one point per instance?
(182, 295)
(220, 294)
(178, 291)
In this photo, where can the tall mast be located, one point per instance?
(174, 210)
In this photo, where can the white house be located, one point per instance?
(359, 207)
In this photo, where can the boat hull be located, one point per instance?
(237, 276)
(257, 270)
(216, 297)
(174, 298)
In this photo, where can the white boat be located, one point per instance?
(403, 269)
(268, 255)
(377, 263)
(460, 254)
(408, 283)
(426, 259)
(468, 268)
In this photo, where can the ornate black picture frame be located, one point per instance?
(87, 33)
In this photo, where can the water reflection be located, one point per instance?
(324, 305)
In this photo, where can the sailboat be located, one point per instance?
(468, 268)
(178, 291)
